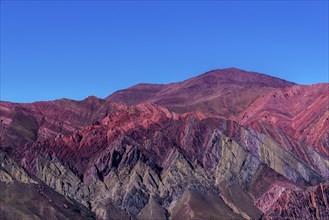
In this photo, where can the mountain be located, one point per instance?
(225, 92)
(186, 158)
(21, 123)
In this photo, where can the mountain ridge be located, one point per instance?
(206, 92)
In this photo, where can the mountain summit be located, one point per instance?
(225, 92)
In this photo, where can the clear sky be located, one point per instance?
(73, 49)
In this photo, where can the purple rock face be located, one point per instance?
(228, 144)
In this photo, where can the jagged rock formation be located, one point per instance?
(24, 197)
(298, 112)
(146, 162)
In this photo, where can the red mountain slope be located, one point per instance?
(181, 160)
(296, 117)
(225, 92)
(20, 123)
(256, 148)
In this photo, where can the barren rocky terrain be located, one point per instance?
(228, 144)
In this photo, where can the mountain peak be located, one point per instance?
(222, 91)
(243, 76)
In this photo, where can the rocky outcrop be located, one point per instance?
(10, 171)
(300, 203)
(25, 197)
(297, 119)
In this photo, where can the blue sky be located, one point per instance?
(73, 49)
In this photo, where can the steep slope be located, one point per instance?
(144, 157)
(225, 92)
(299, 203)
(296, 117)
(20, 123)
(24, 197)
